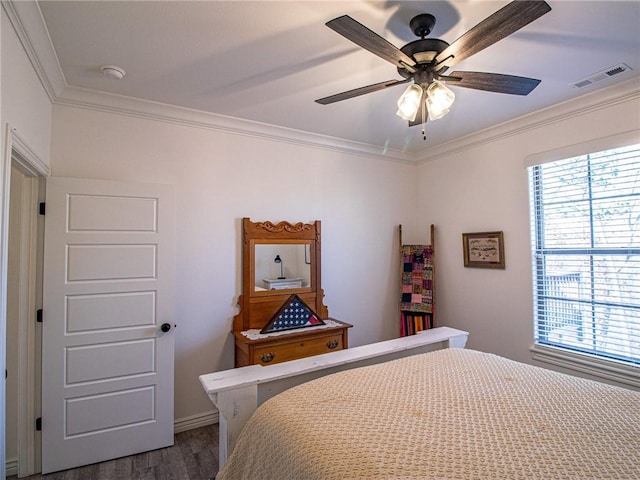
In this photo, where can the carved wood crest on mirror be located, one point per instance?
(278, 260)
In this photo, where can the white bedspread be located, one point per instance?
(449, 414)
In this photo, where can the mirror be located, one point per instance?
(296, 246)
(281, 266)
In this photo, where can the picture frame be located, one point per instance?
(483, 250)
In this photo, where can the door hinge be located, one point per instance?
(39, 315)
(39, 424)
(42, 208)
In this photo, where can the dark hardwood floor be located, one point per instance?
(194, 456)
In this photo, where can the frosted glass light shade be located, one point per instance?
(439, 99)
(409, 102)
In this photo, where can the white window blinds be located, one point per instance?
(585, 231)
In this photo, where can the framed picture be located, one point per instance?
(483, 249)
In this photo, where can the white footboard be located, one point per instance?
(238, 392)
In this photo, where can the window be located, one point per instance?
(585, 231)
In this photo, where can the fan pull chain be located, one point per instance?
(424, 121)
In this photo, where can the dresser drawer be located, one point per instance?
(298, 343)
(299, 348)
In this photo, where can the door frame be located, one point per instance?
(18, 153)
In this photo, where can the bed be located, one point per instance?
(448, 414)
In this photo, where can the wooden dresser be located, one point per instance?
(295, 344)
(271, 254)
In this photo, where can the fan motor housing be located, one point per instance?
(423, 51)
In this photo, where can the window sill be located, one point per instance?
(624, 375)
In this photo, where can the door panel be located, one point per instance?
(110, 262)
(109, 360)
(117, 213)
(110, 311)
(86, 414)
(108, 286)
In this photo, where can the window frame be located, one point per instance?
(558, 355)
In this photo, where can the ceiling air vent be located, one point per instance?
(603, 75)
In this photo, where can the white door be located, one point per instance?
(107, 369)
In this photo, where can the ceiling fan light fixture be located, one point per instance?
(409, 102)
(439, 99)
(435, 115)
(420, 61)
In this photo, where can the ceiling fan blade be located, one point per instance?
(360, 91)
(369, 40)
(501, 24)
(492, 82)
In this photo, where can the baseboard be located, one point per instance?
(12, 467)
(195, 421)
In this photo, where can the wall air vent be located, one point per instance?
(603, 75)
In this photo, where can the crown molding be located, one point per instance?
(576, 107)
(26, 19)
(135, 107)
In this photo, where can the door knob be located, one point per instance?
(165, 327)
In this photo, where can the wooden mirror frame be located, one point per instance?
(258, 307)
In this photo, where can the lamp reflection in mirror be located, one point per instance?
(279, 260)
(438, 100)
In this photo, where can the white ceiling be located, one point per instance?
(267, 61)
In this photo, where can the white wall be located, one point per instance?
(220, 178)
(25, 104)
(486, 189)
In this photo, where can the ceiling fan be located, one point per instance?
(425, 61)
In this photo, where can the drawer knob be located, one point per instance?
(267, 357)
(332, 344)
